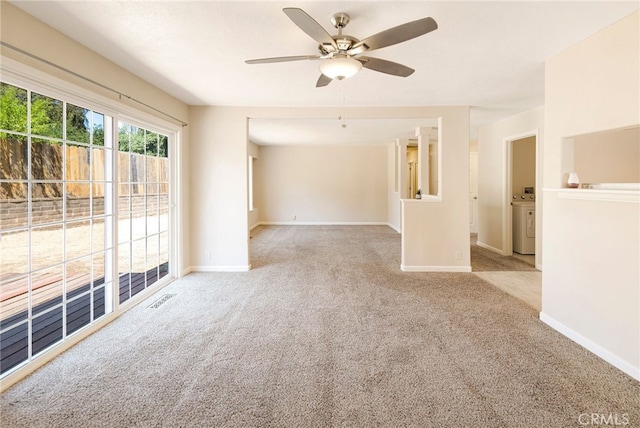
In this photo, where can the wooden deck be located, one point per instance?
(47, 313)
(45, 286)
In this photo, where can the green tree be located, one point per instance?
(141, 141)
(46, 116)
(77, 124)
(13, 108)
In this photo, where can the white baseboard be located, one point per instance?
(187, 271)
(323, 223)
(397, 229)
(591, 346)
(489, 247)
(435, 268)
(218, 268)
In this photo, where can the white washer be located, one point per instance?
(524, 227)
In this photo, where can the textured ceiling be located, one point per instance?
(489, 55)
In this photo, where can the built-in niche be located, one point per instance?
(608, 159)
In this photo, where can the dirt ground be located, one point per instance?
(84, 247)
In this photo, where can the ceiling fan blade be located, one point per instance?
(282, 59)
(384, 66)
(395, 35)
(309, 26)
(323, 81)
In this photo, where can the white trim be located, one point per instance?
(591, 346)
(423, 199)
(457, 269)
(220, 268)
(397, 229)
(490, 248)
(175, 204)
(187, 271)
(323, 223)
(632, 196)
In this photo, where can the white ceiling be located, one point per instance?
(489, 55)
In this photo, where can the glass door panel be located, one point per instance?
(55, 177)
(143, 213)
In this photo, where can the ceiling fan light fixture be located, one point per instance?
(340, 67)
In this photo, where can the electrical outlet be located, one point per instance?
(294, 217)
(458, 255)
(209, 255)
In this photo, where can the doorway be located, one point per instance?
(521, 232)
(517, 274)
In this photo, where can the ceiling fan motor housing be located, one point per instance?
(343, 42)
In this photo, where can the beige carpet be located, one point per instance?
(324, 331)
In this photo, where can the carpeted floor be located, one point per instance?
(324, 331)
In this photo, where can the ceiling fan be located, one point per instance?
(341, 55)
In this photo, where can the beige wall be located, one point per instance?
(435, 230)
(594, 87)
(412, 154)
(323, 184)
(608, 157)
(393, 185)
(524, 164)
(433, 169)
(397, 177)
(218, 176)
(592, 239)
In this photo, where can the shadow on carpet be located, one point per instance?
(483, 260)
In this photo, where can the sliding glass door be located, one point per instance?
(84, 218)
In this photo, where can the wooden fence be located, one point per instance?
(81, 164)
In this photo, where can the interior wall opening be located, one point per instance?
(521, 184)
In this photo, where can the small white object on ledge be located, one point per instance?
(573, 182)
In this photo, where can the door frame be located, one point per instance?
(507, 214)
